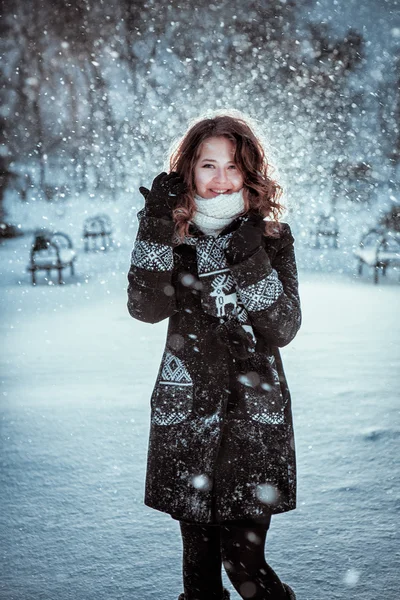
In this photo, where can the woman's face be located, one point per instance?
(215, 171)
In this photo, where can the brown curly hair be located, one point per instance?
(261, 192)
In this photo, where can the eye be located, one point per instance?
(205, 166)
(233, 167)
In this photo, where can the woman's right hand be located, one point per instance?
(161, 199)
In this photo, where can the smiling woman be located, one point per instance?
(215, 171)
(222, 155)
(221, 456)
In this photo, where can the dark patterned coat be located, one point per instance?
(221, 441)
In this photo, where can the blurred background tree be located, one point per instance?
(93, 93)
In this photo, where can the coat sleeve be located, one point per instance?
(151, 295)
(270, 293)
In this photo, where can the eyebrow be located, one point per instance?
(212, 160)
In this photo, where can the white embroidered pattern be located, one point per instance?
(152, 256)
(241, 312)
(268, 418)
(265, 414)
(264, 408)
(174, 371)
(219, 296)
(223, 286)
(174, 396)
(262, 294)
(210, 257)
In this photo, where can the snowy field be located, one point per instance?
(77, 373)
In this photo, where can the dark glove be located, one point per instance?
(240, 343)
(161, 199)
(246, 240)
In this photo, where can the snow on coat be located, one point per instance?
(221, 443)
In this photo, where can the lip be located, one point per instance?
(219, 192)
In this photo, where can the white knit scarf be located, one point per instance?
(214, 214)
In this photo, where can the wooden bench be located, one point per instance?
(378, 249)
(51, 250)
(94, 228)
(326, 227)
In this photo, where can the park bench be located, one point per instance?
(51, 250)
(378, 249)
(9, 231)
(326, 227)
(98, 226)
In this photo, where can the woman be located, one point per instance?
(221, 456)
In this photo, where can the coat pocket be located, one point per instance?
(172, 398)
(261, 392)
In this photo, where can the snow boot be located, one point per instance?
(290, 593)
(225, 595)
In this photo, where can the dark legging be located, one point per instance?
(240, 548)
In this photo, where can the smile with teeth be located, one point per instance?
(219, 191)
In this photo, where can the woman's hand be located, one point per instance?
(161, 199)
(246, 240)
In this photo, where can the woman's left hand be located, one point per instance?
(246, 240)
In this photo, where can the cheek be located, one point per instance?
(201, 177)
(237, 180)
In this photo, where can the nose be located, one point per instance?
(220, 176)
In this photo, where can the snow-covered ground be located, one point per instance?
(77, 373)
